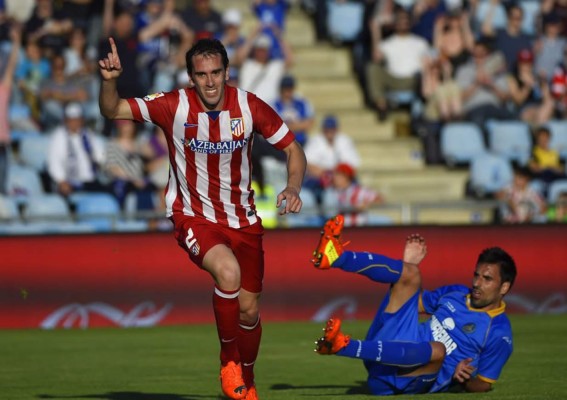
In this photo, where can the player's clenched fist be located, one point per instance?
(110, 67)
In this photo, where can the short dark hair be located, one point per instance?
(495, 255)
(207, 47)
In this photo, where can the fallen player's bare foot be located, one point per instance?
(415, 249)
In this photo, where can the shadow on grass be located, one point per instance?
(130, 396)
(360, 388)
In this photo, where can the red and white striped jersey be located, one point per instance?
(210, 152)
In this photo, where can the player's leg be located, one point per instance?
(221, 263)
(207, 247)
(248, 250)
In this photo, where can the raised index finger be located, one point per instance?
(113, 47)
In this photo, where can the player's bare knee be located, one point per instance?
(438, 352)
(228, 277)
(250, 314)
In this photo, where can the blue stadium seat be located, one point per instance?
(489, 173)
(33, 151)
(461, 142)
(344, 20)
(511, 139)
(499, 18)
(558, 141)
(23, 182)
(555, 189)
(48, 206)
(8, 209)
(531, 10)
(100, 210)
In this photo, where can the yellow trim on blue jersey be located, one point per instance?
(492, 313)
(378, 265)
(420, 306)
(485, 379)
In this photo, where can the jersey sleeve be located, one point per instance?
(269, 124)
(495, 355)
(154, 108)
(430, 299)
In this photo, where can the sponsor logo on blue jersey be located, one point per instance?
(206, 147)
(440, 334)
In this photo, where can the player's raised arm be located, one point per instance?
(110, 103)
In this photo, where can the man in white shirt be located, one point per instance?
(75, 154)
(324, 151)
(396, 62)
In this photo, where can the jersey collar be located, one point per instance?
(491, 313)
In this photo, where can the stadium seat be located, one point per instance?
(511, 139)
(461, 142)
(489, 173)
(100, 210)
(8, 209)
(23, 182)
(344, 20)
(531, 10)
(555, 189)
(558, 130)
(499, 18)
(33, 151)
(309, 215)
(48, 206)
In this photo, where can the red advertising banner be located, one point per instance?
(146, 279)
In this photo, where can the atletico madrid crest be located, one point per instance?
(236, 127)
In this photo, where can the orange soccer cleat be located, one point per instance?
(231, 381)
(333, 340)
(330, 247)
(252, 394)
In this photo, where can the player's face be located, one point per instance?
(209, 77)
(487, 287)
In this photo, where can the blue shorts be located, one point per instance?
(401, 326)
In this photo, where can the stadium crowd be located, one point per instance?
(474, 61)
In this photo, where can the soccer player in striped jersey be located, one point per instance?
(462, 346)
(210, 129)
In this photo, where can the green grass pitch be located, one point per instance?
(180, 363)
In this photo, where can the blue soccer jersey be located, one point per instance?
(486, 337)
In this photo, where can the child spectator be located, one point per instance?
(354, 200)
(519, 202)
(545, 163)
(558, 212)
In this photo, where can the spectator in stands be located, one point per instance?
(425, 14)
(484, 88)
(510, 40)
(354, 200)
(7, 71)
(549, 47)
(453, 38)
(519, 202)
(31, 71)
(558, 212)
(58, 90)
(233, 40)
(272, 14)
(324, 151)
(75, 155)
(397, 61)
(124, 165)
(121, 28)
(528, 91)
(262, 74)
(441, 92)
(204, 20)
(557, 7)
(49, 27)
(296, 111)
(155, 153)
(159, 27)
(545, 163)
